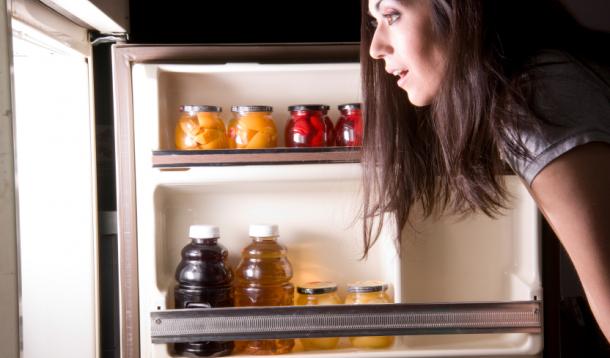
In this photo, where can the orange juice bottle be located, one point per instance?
(262, 278)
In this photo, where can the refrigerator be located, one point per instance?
(464, 287)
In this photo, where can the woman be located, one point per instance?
(453, 89)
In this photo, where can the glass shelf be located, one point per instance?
(226, 157)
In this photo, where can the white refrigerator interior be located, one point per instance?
(315, 206)
(55, 167)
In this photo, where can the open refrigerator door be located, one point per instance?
(49, 132)
(445, 264)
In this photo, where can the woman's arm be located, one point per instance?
(573, 193)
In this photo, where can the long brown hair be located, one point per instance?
(447, 156)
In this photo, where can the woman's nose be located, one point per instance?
(379, 46)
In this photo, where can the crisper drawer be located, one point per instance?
(314, 197)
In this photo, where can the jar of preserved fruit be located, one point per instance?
(368, 292)
(200, 127)
(348, 131)
(330, 127)
(318, 293)
(306, 127)
(252, 127)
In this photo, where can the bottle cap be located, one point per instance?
(367, 286)
(317, 288)
(204, 232)
(262, 230)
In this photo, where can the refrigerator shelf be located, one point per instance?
(224, 157)
(192, 325)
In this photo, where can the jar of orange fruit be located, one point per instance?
(252, 127)
(318, 293)
(200, 127)
(368, 292)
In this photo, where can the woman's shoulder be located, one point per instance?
(557, 67)
(570, 94)
(569, 88)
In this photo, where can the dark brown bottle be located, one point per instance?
(204, 280)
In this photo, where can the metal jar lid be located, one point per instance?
(254, 108)
(367, 286)
(349, 106)
(199, 108)
(317, 288)
(308, 107)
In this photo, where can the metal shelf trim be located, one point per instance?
(184, 325)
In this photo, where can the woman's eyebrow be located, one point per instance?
(377, 4)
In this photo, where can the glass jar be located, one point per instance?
(330, 127)
(348, 131)
(306, 127)
(368, 292)
(200, 127)
(318, 293)
(252, 127)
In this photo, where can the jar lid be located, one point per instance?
(263, 230)
(199, 108)
(349, 106)
(367, 286)
(204, 232)
(317, 287)
(254, 108)
(308, 107)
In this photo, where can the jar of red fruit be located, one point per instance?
(348, 131)
(306, 127)
(330, 127)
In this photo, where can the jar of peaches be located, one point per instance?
(252, 127)
(348, 130)
(318, 293)
(368, 292)
(200, 127)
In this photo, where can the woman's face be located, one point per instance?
(405, 40)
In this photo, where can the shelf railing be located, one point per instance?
(236, 323)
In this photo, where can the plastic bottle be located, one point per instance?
(262, 278)
(204, 280)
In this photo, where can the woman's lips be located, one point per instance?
(402, 78)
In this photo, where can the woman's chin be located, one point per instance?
(418, 101)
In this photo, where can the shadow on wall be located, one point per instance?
(594, 14)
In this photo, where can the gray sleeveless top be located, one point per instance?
(574, 95)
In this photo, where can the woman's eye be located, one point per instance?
(391, 17)
(373, 23)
